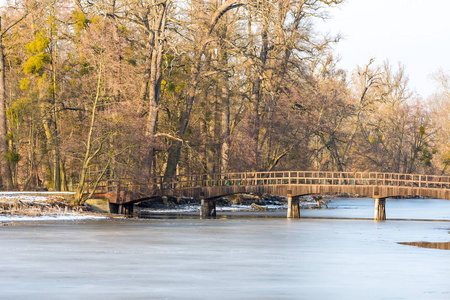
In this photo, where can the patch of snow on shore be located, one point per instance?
(23, 198)
(68, 217)
(36, 193)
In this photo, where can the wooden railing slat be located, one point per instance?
(279, 177)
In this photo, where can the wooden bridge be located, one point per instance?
(123, 194)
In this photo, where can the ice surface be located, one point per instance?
(196, 208)
(238, 258)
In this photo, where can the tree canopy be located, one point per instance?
(141, 88)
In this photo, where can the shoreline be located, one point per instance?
(49, 206)
(38, 208)
(42, 206)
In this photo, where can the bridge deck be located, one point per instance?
(382, 185)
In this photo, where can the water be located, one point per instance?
(424, 209)
(403, 209)
(234, 258)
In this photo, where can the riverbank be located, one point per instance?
(42, 206)
(35, 204)
(47, 206)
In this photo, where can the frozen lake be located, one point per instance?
(233, 258)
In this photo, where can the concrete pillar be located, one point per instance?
(293, 207)
(380, 208)
(208, 208)
(127, 209)
(113, 208)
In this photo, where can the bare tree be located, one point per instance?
(7, 182)
(205, 37)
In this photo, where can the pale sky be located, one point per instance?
(415, 33)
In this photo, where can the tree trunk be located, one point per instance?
(49, 128)
(225, 102)
(175, 151)
(256, 94)
(63, 177)
(153, 75)
(88, 155)
(203, 146)
(214, 132)
(6, 179)
(55, 142)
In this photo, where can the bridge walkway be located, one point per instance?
(291, 184)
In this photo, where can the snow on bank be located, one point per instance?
(38, 207)
(23, 198)
(32, 197)
(68, 217)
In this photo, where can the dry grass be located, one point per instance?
(38, 206)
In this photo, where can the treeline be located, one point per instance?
(138, 88)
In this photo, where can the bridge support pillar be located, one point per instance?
(380, 208)
(127, 209)
(113, 208)
(293, 207)
(208, 209)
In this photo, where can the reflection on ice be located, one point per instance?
(442, 246)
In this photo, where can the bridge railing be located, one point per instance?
(283, 177)
(303, 177)
(105, 186)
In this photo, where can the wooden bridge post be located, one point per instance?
(380, 208)
(293, 207)
(208, 207)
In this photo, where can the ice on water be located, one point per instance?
(237, 258)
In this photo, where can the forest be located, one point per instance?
(141, 88)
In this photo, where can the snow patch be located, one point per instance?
(69, 217)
